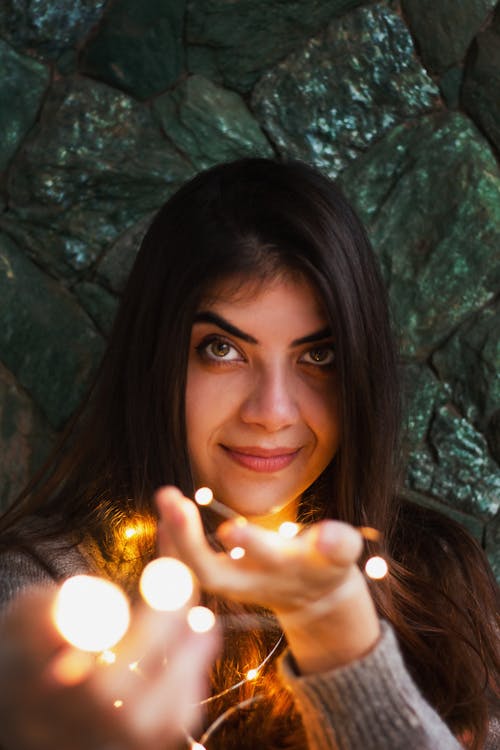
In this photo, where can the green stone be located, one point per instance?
(429, 193)
(47, 341)
(22, 84)
(444, 29)
(470, 362)
(138, 46)
(96, 164)
(100, 305)
(46, 28)
(422, 391)
(209, 123)
(329, 101)
(462, 474)
(25, 438)
(451, 86)
(481, 90)
(245, 38)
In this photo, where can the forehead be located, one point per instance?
(242, 288)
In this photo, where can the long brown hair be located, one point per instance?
(256, 217)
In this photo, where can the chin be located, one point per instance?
(262, 502)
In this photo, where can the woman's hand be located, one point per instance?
(53, 696)
(311, 582)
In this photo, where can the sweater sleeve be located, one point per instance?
(41, 564)
(372, 704)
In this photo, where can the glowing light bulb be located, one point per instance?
(91, 613)
(166, 584)
(107, 657)
(288, 529)
(237, 553)
(252, 674)
(201, 619)
(134, 666)
(197, 746)
(376, 567)
(118, 703)
(204, 496)
(130, 532)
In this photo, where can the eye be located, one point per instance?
(322, 356)
(215, 348)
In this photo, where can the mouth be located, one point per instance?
(262, 459)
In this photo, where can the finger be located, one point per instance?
(261, 545)
(182, 518)
(165, 533)
(181, 685)
(142, 653)
(339, 542)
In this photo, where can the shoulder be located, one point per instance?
(31, 556)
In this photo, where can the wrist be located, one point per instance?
(338, 628)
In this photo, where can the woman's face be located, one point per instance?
(261, 398)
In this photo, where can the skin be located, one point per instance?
(261, 405)
(265, 386)
(46, 705)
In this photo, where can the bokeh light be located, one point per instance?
(91, 613)
(166, 584)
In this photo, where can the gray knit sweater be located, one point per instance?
(371, 704)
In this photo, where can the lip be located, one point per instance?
(262, 459)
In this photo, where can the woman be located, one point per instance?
(252, 353)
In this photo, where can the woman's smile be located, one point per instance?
(262, 459)
(261, 397)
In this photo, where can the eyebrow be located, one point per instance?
(206, 316)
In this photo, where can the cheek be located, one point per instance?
(327, 421)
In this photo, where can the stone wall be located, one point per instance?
(106, 107)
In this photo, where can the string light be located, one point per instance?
(288, 529)
(91, 613)
(236, 553)
(193, 745)
(252, 674)
(376, 567)
(106, 657)
(201, 619)
(118, 703)
(257, 670)
(205, 498)
(166, 584)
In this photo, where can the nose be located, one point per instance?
(271, 402)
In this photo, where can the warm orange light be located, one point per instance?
(237, 553)
(376, 567)
(107, 657)
(288, 529)
(166, 584)
(204, 496)
(201, 619)
(91, 613)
